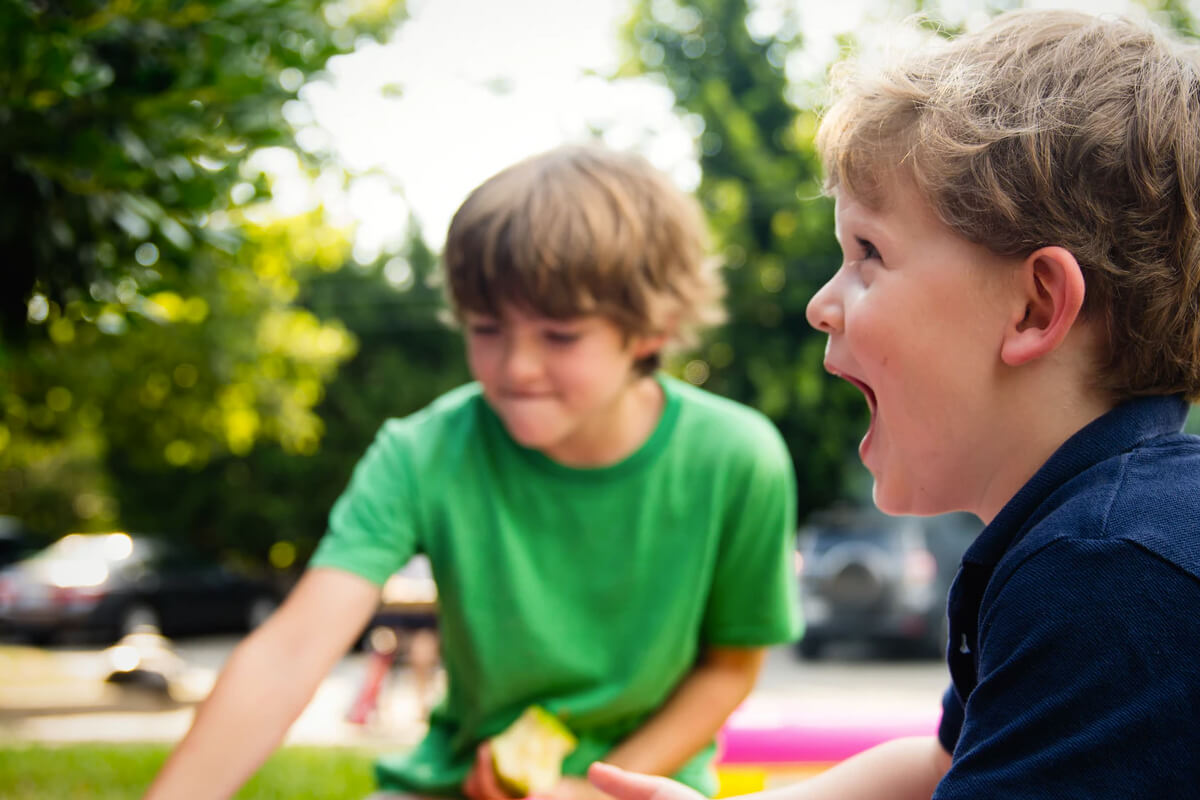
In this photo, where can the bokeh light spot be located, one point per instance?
(282, 555)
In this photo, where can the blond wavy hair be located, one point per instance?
(583, 230)
(1052, 128)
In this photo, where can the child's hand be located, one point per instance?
(625, 785)
(481, 782)
(572, 788)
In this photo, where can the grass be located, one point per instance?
(108, 772)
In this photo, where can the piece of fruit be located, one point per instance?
(528, 755)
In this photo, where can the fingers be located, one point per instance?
(481, 780)
(625, 785)
(486, 783)
(471, 784)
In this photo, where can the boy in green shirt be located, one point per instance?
(609, 543)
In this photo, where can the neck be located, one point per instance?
(628, 421)
(1030, 430)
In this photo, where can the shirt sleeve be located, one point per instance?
(372, 528)
(753, 599)
(1088, 680)
(952, 719)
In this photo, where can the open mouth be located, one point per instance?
(866, 390)
(872, 405)
(862, 387)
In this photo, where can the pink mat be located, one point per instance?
(761, 733)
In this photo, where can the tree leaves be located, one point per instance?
(761, 191)
(148, 308)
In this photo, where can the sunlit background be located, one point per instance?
(467, 87)
(228, 290)
(222, 223)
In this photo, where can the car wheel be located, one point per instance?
(259, 609)
(41, 637)
(810, 647)
(138, 617)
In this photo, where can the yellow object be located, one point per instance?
(528, 755)
(739, 779)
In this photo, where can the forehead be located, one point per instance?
(897, 208)
(517, 313)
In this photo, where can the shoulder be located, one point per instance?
(1157, 501)
(452, 413)
(1089, 634)
(725, 427)
(1147, 498)
(449, 424)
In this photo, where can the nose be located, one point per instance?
(522, 363)
(824, 311)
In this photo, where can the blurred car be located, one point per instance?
(114, 584)
(868, 576)
(17, 541)
(407, 603)
(403, 629)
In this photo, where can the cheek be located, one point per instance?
(592, 371)
(874, 339)
(481, 361)
(578, 375)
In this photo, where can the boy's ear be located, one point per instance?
(1050, 282)
(645, 346)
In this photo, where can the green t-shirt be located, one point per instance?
(588, 591)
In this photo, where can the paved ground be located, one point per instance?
(59, 695)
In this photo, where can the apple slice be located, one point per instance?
(528, 755)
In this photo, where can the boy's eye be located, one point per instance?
(868, 249)
(561, 337)
(483, 329)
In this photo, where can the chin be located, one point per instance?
(909, 503)
(533, 437)
(535, 440)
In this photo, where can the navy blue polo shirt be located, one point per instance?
(1075, 623)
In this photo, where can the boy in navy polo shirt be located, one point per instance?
(1019, 302)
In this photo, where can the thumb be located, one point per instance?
(625, 785)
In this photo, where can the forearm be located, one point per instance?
(696, 710)
(902, 769)
(239, 725)
(265, 685)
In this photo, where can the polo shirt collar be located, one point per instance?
(1121, 429)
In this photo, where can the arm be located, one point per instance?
(902, 769)
(697, 708)
(268, 681)
(680, 728)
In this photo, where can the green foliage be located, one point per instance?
(273, 503)
(761, 190)
(149, 311)
(123, 124)
(1174, 14)
(189, 379)
(101, 772)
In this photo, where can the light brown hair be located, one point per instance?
(585, 230)
(1053, 128)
